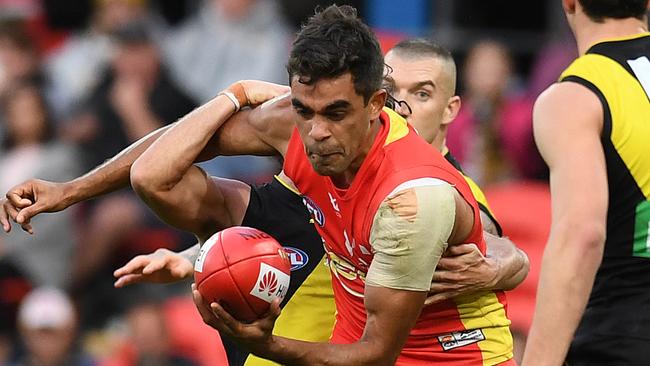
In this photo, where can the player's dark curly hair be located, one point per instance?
(599, 10)
(333, 42)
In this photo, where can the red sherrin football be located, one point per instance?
(243, 269)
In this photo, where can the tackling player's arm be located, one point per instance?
(182, 194)
(397, 283)
(34, 196)
(569, 140)
(161, 266)
(511, 263)
(463, 269)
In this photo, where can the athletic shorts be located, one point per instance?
(614, 335)
(279, 212)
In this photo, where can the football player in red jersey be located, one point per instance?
(386, 198)
(443, 337)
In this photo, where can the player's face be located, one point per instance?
(334, 123)
(423, 83)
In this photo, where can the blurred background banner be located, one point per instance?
(82, 79)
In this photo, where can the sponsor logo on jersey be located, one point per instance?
(297, 257)
(315, 211)
(460, 339)
(345, 271)
(271, 283)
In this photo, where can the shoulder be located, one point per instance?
(568, 118)
(565, 104)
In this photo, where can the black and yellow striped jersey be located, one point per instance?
(618, 72)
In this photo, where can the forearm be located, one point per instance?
(165, 162)
(568, 270)
(299, 353)
(111, 175)
(138, 122)
(512, 263)
(391, 314)
(191, 253)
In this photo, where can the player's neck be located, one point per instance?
(589, 33)
(345, 179)
(440, 143)
(443, 150)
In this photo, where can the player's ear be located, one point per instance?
(376, 103)
(451, 110)
(569, 6)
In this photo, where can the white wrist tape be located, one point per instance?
(232, 98)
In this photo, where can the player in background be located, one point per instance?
(423, 75)
(592, 128)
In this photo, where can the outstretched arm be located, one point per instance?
(569, 141)
(34, 196)
(161, 266)
(165, 177)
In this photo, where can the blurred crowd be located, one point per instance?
(70, 98)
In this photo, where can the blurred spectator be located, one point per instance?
(19, 62)
(76, 68)
(148, 341)
(226, 41)
(492, 135)
(297, 11)
(134, 97)
(13, 288)
(549, 63)
(29, 150)
(48, 327)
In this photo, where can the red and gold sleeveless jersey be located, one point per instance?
(471, 330)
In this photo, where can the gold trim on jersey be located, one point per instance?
(478, 194)
(628, 107)
(340, 267)
(398, 128)
(286, 185)
(484, 311)
(622, 38)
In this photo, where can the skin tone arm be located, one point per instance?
(464, 270)
(165, 177)
(566, 136)
(35, 196)
(383, 337)
(511, 263)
